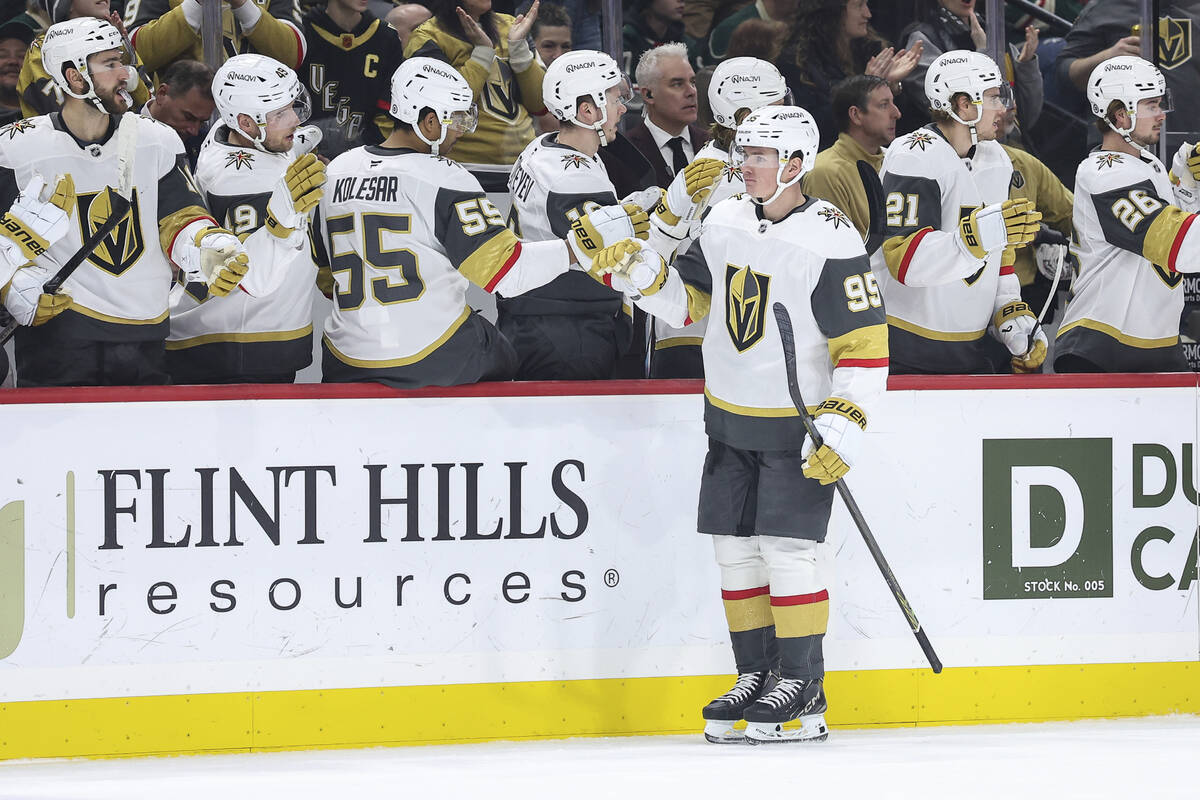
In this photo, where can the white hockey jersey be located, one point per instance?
(403, 232)
(729, 184)
(813, 262)
(552, 185)
(120, 292)
(940, 299)
(1133, 241)
(266, 329)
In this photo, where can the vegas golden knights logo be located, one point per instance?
(122, 248)
(1174, 42)
(499, 96)
(746, 293)
(1171, 279)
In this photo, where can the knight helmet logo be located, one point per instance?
(122, 248)
(746, 292)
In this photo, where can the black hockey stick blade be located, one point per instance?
(119, 206)
(874, 190)
(787, 339)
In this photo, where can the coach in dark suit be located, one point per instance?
(668, 135)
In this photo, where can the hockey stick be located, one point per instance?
(875, 203)
(1062, 242)
(120, 207)
(788, 341)
(119, 204)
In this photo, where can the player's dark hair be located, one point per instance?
(446, 14)
(184, 75)
(405, 126)
(853, 92)
(1109, 116)
(550, 16)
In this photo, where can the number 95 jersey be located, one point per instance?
(402, 232)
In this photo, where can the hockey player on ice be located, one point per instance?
(738, 86)
(113, 331)
(403, 229)
(261, 190)
(946, 265)
(765, 493)
(1134, 232)
(571, 328)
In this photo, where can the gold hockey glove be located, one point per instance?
(841, 424)
(295, 195)
(25, 300)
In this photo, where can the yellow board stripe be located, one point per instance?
(1123, 338)
(332, 718)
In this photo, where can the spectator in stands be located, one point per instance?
(701, 16)
(492, 53)
(650, 23)
(832, 40)
(348, 72)
(754, 38)
(15, 36)
(715, 46)
(585, 16)
(405, 18)
(551, 34)
(865, 111)
(954, 25)
(39, 94)
(167, 30)
(184, 101)
(668, 135)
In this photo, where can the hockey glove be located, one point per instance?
(295, 195)
(210, 255)
(25, 300)
(1013, 324)
(1184, 168)
(682, 196)
(305, 140)
(592, 232)
(38, 218)
(632, 267)
(987, 229)
(840, 424)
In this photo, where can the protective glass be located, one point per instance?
(463, 121)
(756, 160)
(624, 89)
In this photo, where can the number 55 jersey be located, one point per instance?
(1133, 243)
(403, 233)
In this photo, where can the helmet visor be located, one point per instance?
(999, 100)
(1152, 105)
(301, 108)
(463, 121)
(756, 157)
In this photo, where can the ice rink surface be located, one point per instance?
(1139, 758)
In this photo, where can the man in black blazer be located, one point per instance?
(667, 135)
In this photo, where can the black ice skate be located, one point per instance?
(722, 713)
(790, 700)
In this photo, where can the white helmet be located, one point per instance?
(421, 83)
(582, 73)
(743, 82)
(787, 130)
(68, 44)
(1126, 79)
(256, 86)
(964, 72)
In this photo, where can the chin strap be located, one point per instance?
(1127, 135)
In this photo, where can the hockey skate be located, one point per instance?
(791, 700)
(721, 714)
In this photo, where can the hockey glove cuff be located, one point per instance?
(592, 232)
(1032, 360)
(1183, 178)
(1013, 323)
(987, 229)
(38, 218)
(632, 267)
(25, 300)
(841, 425)
(305, 140)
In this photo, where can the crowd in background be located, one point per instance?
(857, 66)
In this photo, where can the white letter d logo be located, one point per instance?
(1024, 554)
